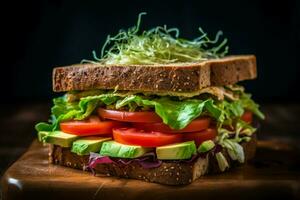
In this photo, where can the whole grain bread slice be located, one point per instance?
(169, 172)
(180, 77)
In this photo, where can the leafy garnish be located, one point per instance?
(160, 45)
(222, 161)
(174, 112)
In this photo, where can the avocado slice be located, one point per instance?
(60, 138)
(176, 151)
(84, 146)
(206, 146)
(115, 149)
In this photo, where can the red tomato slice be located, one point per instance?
(132, 136)
(199, 137)
(128, 116)
(196, 125)
(247, 117)
(91, 126)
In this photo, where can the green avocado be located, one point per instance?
(84, 146)
(176, 151)
(115, 149)
(206, 146)
(60, 138)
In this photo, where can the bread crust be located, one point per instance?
(169, 172)
(179, 77)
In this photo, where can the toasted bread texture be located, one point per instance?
(169, 172)
(179, 77)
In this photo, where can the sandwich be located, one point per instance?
(154, 107)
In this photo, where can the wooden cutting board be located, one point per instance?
(273, 174)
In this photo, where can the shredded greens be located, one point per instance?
(160, 45)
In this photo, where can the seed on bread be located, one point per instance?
(194, 76)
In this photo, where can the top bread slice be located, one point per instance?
(176, 78)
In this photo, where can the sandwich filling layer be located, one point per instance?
(133, 125)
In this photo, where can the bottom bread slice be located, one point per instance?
(169, 172)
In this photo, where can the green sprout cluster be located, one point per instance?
(160, 45)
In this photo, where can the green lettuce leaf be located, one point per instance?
(222, 162)
(43, 126)
(174, 112)
(235, 150)
(64, 110)
(249, 104)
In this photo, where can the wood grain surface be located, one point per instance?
(273, 174)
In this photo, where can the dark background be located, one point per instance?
(39, 35)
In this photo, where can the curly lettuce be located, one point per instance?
(174, 112)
